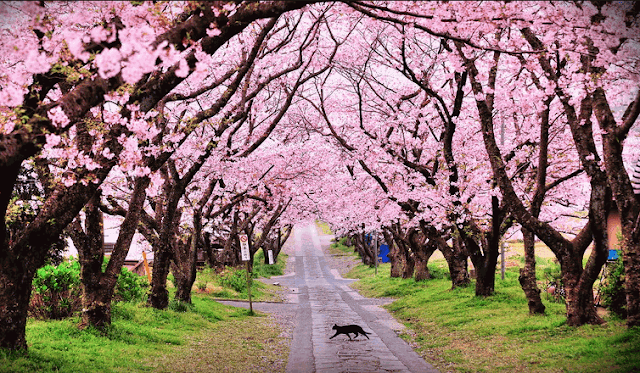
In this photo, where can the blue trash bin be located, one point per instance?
(383, 254)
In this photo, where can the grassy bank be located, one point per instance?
(204, 336)
(458, 332)
(208, 336)
(232, 282)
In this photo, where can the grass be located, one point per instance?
(143, 339)
(339, 249)
(323, 227)
(203, 336)
(459, 332)
(232, 282)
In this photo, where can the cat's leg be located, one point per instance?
(334, 335)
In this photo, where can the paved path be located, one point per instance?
(323, 299)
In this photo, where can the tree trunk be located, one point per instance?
(631, 261)
(15, 291)
(394, 255)
(364, 249)
(96, 296)
(485, 266)
(409, 262)
(527, 276)
(184, 268)
(423, 253)
(484, 255)
(579, 300)
(98, 287)
(456, 258)
(159, 296)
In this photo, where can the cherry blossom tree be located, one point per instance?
(371, 116)
(66, 63)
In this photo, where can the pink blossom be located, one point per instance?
(52, 140)
(68, 181)
(37, 63)
(12, 95)
(107, 153)
(213, 31)
(183, 69)
(108, 63)
(58, 117)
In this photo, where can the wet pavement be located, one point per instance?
(319, 298)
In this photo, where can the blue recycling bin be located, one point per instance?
(383, 253)
(613, 255)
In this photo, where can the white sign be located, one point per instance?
(244, 247)
(270, 254)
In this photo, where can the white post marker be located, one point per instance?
(246, 257)
(244, 247)
(270, 255)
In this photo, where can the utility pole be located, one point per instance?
(502, 244)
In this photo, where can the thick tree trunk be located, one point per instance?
(409, 262)
(485, 257)
(485, 266)
(423, 254)
(421, 269)
(394, 255)
(485, 279)
(96, 294)
(159, 296)
(579, 300)
(527, 277)
(184, 268)
(631, 261)
(364, 249)
(627, 201)
(15, 292)
(456, 258)
(98, 287)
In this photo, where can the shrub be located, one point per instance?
(554, 287)
(235, 279)
(202, 286)
(130, 287)
(612, 291)
(56, 291)
(180, 306)
(266, 270)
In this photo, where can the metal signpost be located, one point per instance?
(246, 257)
(375, 245)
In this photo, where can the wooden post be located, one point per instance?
(146, 265)
(249, 288)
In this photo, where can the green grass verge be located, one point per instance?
(232, 282)
(323, 228)
(207, 336)
(204, 336)
(459, 332)
(339, 249)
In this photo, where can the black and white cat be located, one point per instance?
(347, 329)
